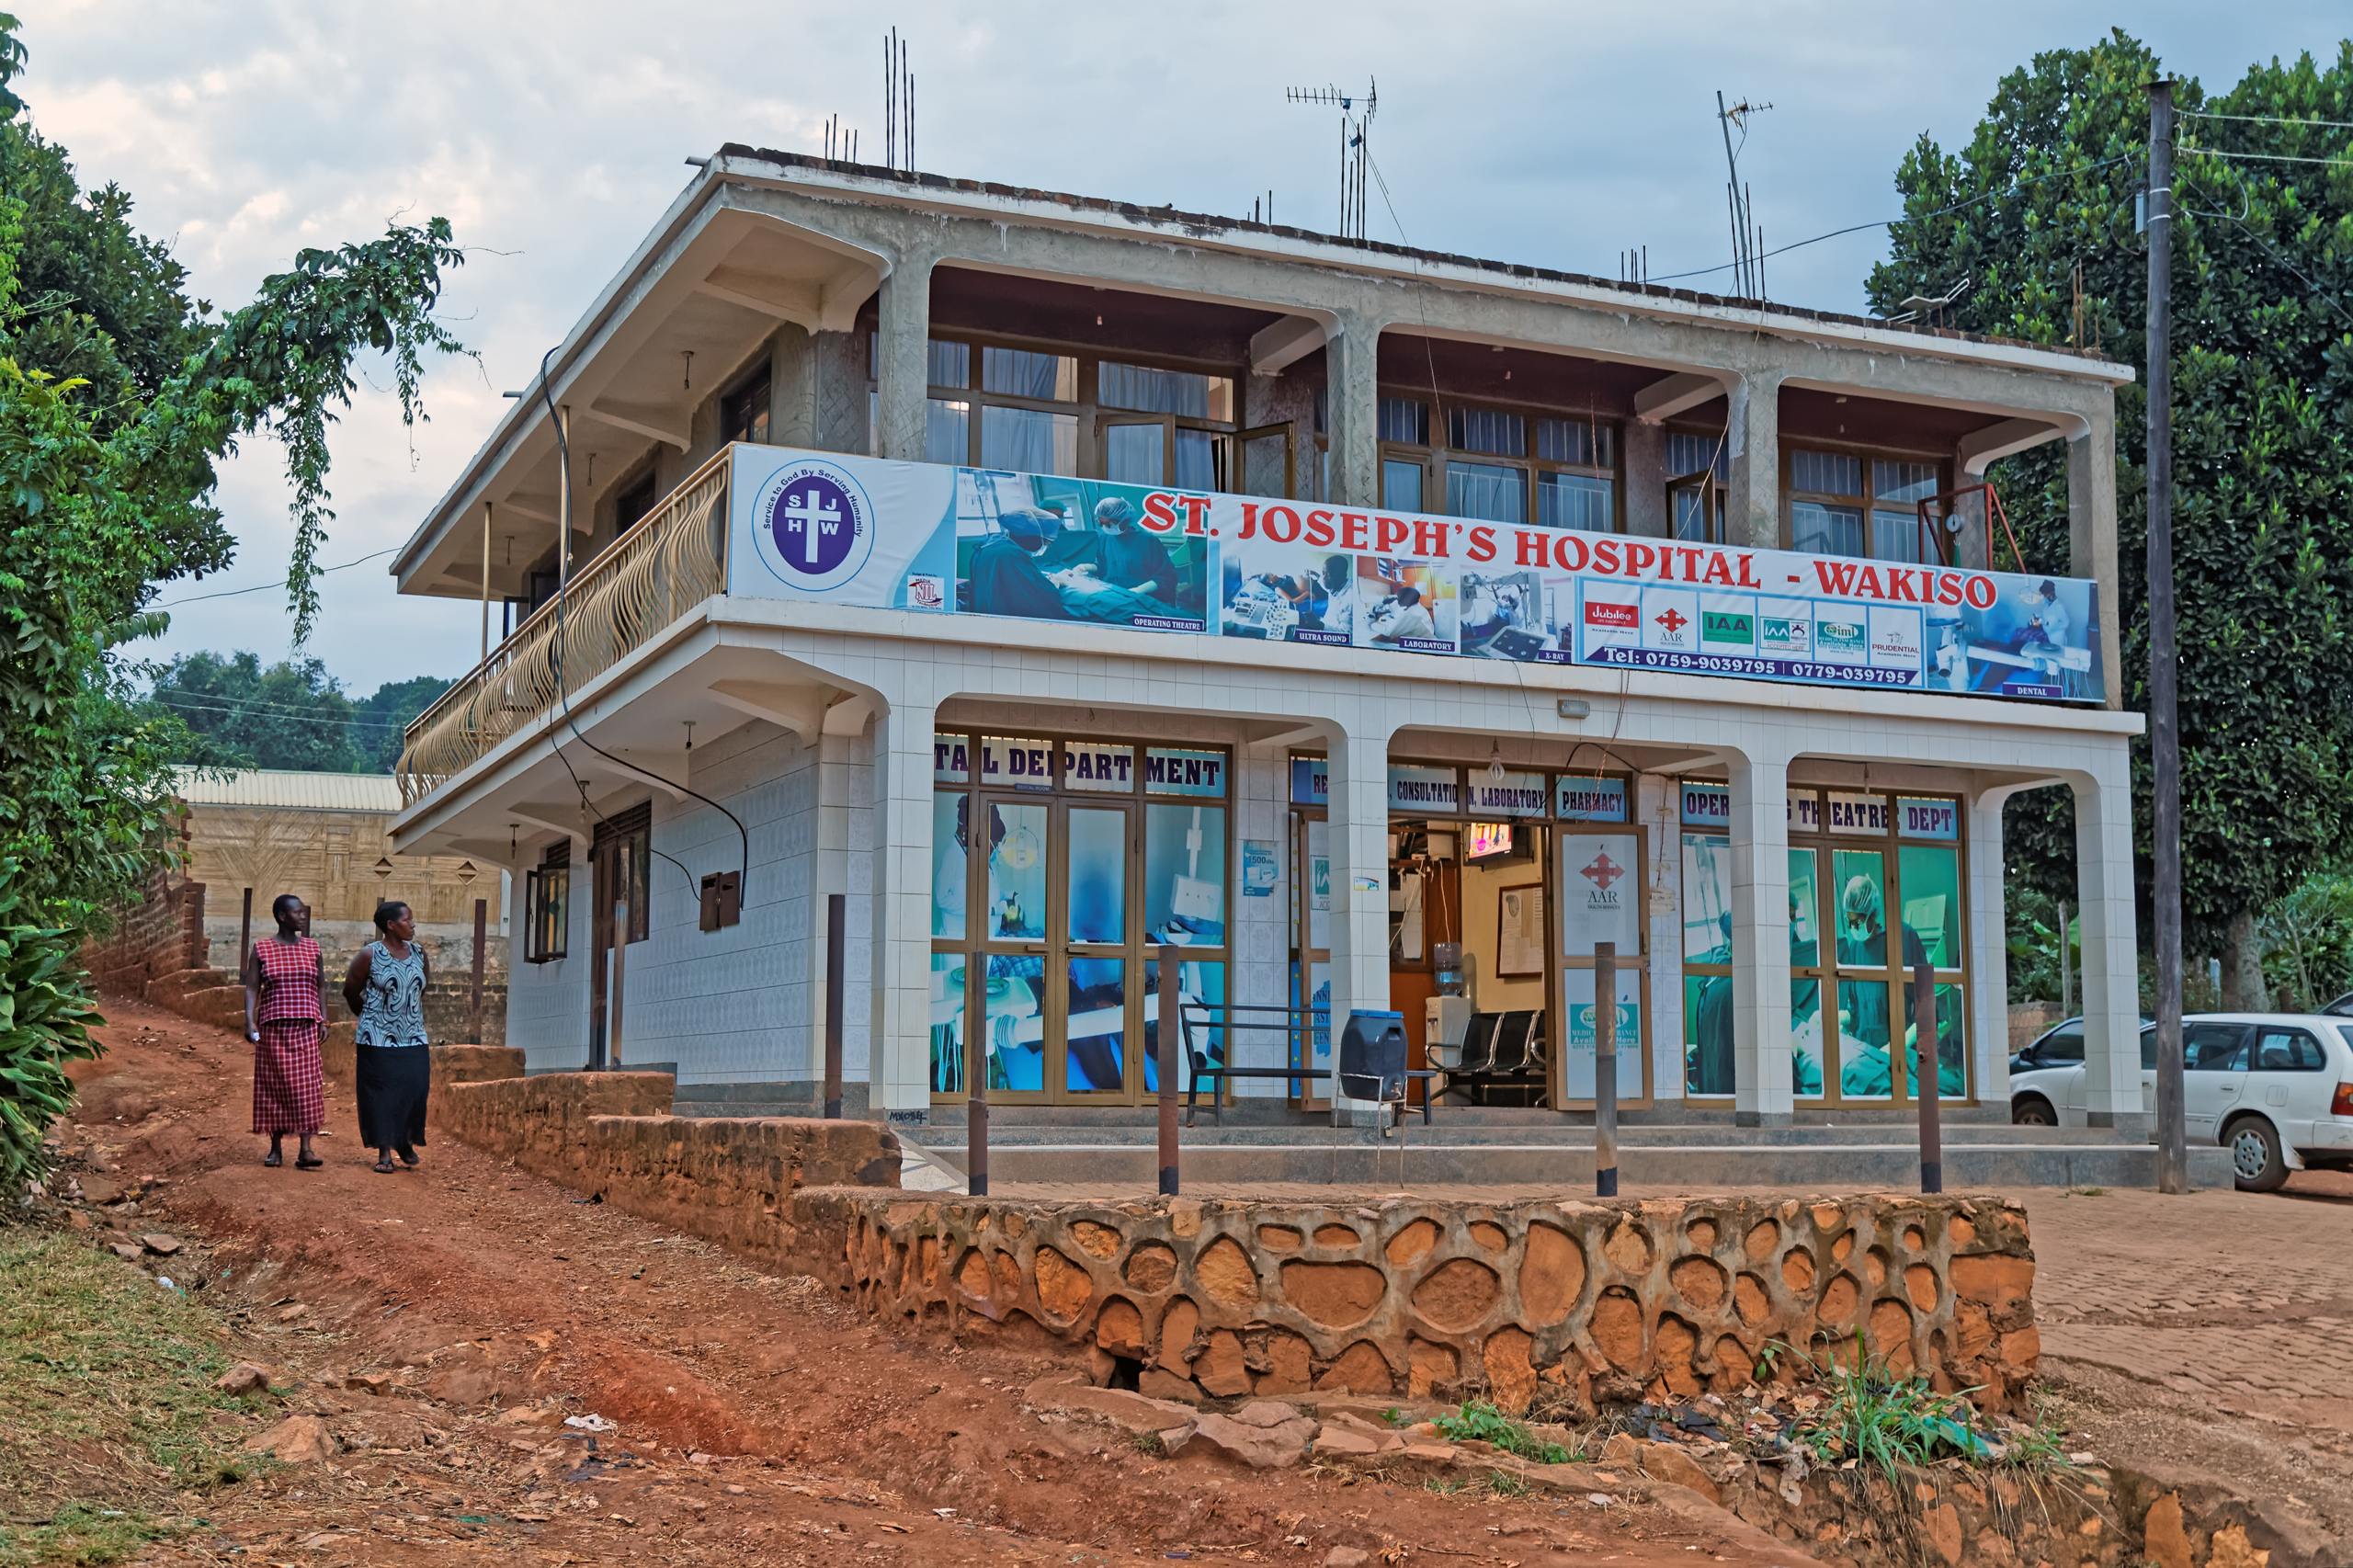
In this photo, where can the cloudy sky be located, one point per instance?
(553, 135)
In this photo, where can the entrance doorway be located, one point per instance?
(1468, 921)
(1059, 869)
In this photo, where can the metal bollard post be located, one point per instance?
(613, 1004)
(1605, 1069)
(836, 921)
(1926, 1066)
(1170, 1055)
(482, 939)
(246, 937)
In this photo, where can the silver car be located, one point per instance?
(2274, 1088)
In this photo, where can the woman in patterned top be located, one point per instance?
(386, 988)
(283, 1020)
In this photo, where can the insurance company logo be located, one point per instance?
(1785, 634)
(1601, 870)
(1720, 626)
(814, 524)
(1670, 623)
(1612, 616)
(1841, 640)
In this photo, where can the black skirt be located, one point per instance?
(393, 1080)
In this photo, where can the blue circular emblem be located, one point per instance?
(817, 525)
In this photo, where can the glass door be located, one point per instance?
(1311, 969)
(1007, 1013)
(1089, 963)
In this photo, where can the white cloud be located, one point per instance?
(1558, 134)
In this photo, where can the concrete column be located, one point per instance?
(1752, 504)
(1352, 407)
(898, 1062)
(1359, 809)
(840, 792)
(1762, 1088)
(2111, 970)
(792, 387)
(901, 356)
(1646, 476)
(1989, 950)
(2091, 536)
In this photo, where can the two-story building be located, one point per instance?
(1060, 580)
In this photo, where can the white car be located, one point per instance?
(2274, 1088)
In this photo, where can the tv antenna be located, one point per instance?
(1747, 239)
(898, 105)
(1356, 119)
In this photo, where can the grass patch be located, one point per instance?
(1888, 1421)
(105, 1405)
(1480, 1422)
(1503, 1483)
(1443, 1486)
(1148, 1443)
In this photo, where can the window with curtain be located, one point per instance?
(1146, 390)
(1500, 465)
(744, 413)
(1833, 511)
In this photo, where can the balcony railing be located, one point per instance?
(670, 562)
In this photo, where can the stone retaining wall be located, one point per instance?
(1616, 1301)
(732, 1180)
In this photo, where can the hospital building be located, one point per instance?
(1064, 582)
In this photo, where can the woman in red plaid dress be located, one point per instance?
(283, 1020)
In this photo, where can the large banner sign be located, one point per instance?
(1036, 546)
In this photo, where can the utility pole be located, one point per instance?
(2164, 736)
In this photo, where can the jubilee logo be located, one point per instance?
(1615, 617)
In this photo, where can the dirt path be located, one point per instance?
(755, 1422)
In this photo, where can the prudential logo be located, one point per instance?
(815, 525)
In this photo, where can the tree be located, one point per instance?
(2037, 215)
(117, 396)
(290, 715)
(381, 721)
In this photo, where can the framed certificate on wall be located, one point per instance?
(1519, 931)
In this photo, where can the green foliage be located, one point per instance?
(1871, 1414)
(2308, 943)
(117, 396)
(2033, 938)
(381, 721)
(108, 1367)
(239, 714)
(2263, 397)
(1504, 1484)
(1480, 1422)
(45, 1019)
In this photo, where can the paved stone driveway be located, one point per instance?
(2242, 1299)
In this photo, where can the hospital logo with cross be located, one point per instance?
(815, 525)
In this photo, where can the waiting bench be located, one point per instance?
(1299, 1027)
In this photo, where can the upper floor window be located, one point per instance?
(1149, 391)
(1698, 473)
(1500, 465)
(634, 503)
(1841, 503)
(744, 413)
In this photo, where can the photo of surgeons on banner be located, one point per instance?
(1041, 548)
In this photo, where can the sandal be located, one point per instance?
(308, 1162)
(273, 1159)
(384, 1166)
(408, 1156)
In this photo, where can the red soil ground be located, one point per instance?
(757, 1421)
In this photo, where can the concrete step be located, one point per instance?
(1446, 1133)
(2067, 1160)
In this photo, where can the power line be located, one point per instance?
(261, 587)
(2266, 120)
(231, 705)
(1909, 217)
(2340, 161)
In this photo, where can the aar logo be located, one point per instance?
(814, 525)
(1602, 871)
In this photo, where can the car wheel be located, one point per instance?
(2032, 1111)
(2255, 1156)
